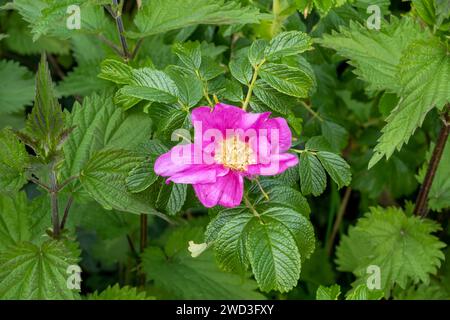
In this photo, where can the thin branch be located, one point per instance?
(65, 183)
(121, 30)
(133, 249)
(40, 184)
(55, 66)
(66, 212)
(422, 198)
(338, 221)
(310, 110)
(144, 226)
(110, 44)
(136, 48)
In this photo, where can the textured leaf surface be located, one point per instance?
(28, 271)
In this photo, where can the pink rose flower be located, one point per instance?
(229, 144)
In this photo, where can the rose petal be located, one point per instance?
(226, 191)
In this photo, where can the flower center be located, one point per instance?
(234, 153)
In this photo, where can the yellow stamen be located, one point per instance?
(235, 154)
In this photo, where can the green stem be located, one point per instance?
(252, 85)
(251, 207)
(310, 110)
(276, 23)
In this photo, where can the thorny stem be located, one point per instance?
(110, 44)
(119, 22)
(338, 221)
(421, 203)
(252, 85)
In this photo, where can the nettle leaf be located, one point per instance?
(104, 178)
(118, 293)
(174, 270)
(313, 179)
(375, 54)
(287, 44)
(82, 81)
(46, 121)
(116, 71)
(28, 271)
(189, 53)
(337, 168)
(158, 16)
(14, 161)
(362, 292)
(328, 293)
(100, 124)
(424, 73)
(14, 220)
(16, 87)
(402, 247)
(286, 79)
(152, 85)
(142, 176)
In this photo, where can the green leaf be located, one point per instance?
(152, 85)
(35, 272)
(174, 270)
(328, 293)
(337, 168)
(274, 263)
(274, 99)
(118, 293)
(402, 247)
(190, 89)
(241, 69)
(100, 124)
(424, 74)
(171, 197)
(256, 52)
(14, 161)
(286, 79)
(362, 292)
(116, 71)
(312, 175)
(189, 53)
(375, 54)
(285, 196)
(104, 178)
(14, 220)
(46, 121)
(16, 87)
(157, 16)
(83, 80)
(142, 176)
(287, 44)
